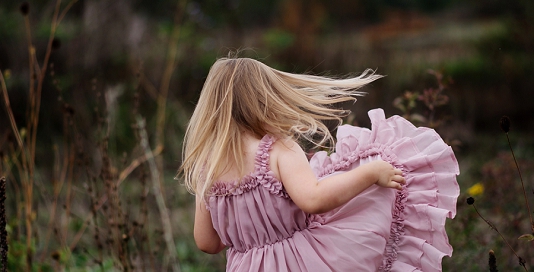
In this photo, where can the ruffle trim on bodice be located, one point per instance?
(262, 175)
(418, 240)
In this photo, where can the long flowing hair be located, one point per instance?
(242, 94)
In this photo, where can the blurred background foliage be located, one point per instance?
(109, 63)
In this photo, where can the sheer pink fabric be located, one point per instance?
(379, 230)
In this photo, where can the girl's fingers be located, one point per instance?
(397, 186)
(399, 179)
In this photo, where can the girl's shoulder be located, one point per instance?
(285, 146)
(284, 151)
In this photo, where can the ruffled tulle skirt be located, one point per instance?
(386, 229)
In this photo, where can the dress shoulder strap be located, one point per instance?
(262, 154)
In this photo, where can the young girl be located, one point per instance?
(378, 203)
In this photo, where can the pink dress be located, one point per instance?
(379, 230)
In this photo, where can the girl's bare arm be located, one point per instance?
(317, 197)
(205, 235)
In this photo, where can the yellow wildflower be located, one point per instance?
(476, 189)
(7, 74)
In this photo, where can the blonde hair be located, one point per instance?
(242, 94)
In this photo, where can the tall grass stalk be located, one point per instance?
(27, 145)
(156, 164)
(3, 225)
(160, 199)
(505, 126)
(471, 201)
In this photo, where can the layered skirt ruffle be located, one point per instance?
(415, 234)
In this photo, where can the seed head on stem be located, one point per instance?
(492, 262)
(24, 8)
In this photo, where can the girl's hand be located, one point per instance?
(386, 175)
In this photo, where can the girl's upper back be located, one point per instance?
(253, 147)
(257, 153)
